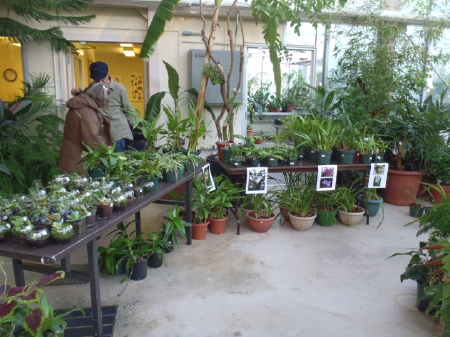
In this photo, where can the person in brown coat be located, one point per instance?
(85, 123)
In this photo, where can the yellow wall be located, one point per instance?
(10, 58)
(120, 65)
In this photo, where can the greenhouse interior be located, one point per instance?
(224, 168)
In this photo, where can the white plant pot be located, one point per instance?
(302, 223)
(350, 219)
(245, 212)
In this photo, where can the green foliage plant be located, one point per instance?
(222, 197)
(200, 200)
(265, 205)
(175, 225)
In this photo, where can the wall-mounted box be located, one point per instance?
(196, 63)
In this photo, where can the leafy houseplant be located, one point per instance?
(225, 194)
(101, 157)
(21, 228)
(175, 226)
(28, 313)
(415, 207)
(236, 158)
(262, 218)
(326, 207)
(159, 246)
(201, 207)
(349, 213)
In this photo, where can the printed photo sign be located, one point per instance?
(326, 177)
(256, 180)
(378, 175)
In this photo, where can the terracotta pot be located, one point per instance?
(350, 219)
(199, 230)
(217, 226)
(285, 213)
(421, 192)
(260, 225)
(290, 107)
(258, 141)
(301, 223)
(394, 194)
(273, 110)
(249, 133)
(220, 146)
(436, 195)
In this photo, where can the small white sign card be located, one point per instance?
(378, 175)
(326, 177)
(207, 176)
(256, 180)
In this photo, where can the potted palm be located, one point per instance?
(226, 192)
(262, 218)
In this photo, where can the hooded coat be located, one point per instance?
(85, 123)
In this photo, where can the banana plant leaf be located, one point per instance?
(163, 13)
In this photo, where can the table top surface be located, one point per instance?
(301, 166)
(53, 252)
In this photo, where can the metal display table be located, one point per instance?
(53, 253)
(302, 166)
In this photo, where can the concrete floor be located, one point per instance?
(327, 281)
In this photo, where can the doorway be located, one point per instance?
(127, 70)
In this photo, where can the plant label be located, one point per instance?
(88, 214)
(111, 205)
(312, 151)
(236, 164)
(322, 155)
(292, 163)
(271, 159)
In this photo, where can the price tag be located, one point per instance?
(111, 205)
(88, 214)
(292, 163)
(312, 151)
(236, 164)
(271, 159)
(322, 155)
(300, 156)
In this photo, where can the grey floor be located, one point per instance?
(327, 281)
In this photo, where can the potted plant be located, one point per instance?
(21, 228)
(201, 207)
(226, 192)
(349, 213)
(119, 200)
(98, 159)
(175, 226)
(236, 157)
(170, 168)
(372, 205)
(137, 251)
(150, 171)
(416, 208)
(270, 156)
(112, 258)
(104, 208)
(365, 148)
(5, 230)
(262, 218)
(301, 206)
(253, 156)
(260, 138)
(274, 104)
(283, 196)
(158, 245)
(27, 312)
(248, 205)
(226, 152)
(249, 130)
(350, 136)
(437, 173)
(326, 207)
(62, 232)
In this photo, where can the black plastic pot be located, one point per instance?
(415, 212)
(226, 155)
(346, 157)
(378, 157)
(365, 158)
(138, 270)
(236, 163)
(301, 156)
(253, 162)
(323, 157)
(271, 161)
(170, 248)
(154, 261)
(170, 177)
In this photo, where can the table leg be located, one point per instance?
(65, 263)
(18, 273)
(95, 288)
(137, 216)
(364, 201)
(188, 213)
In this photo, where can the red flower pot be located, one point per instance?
(220, 146)
(436, 195)
(249, 133)
(217, 226)
(199, 230)
(260, 225)
(394, 194)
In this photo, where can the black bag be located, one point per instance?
(139, 141)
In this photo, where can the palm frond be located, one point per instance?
(12, 30)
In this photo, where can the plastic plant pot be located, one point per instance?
(326, 218)
(346, 157)
(323, 157)
(365, 158)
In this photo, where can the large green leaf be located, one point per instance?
(174, 81)
(154, 106)
(194, 92)
(163, 13)
(276, 69)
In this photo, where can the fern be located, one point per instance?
(437, 218)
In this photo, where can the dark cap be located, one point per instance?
(98, 70)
